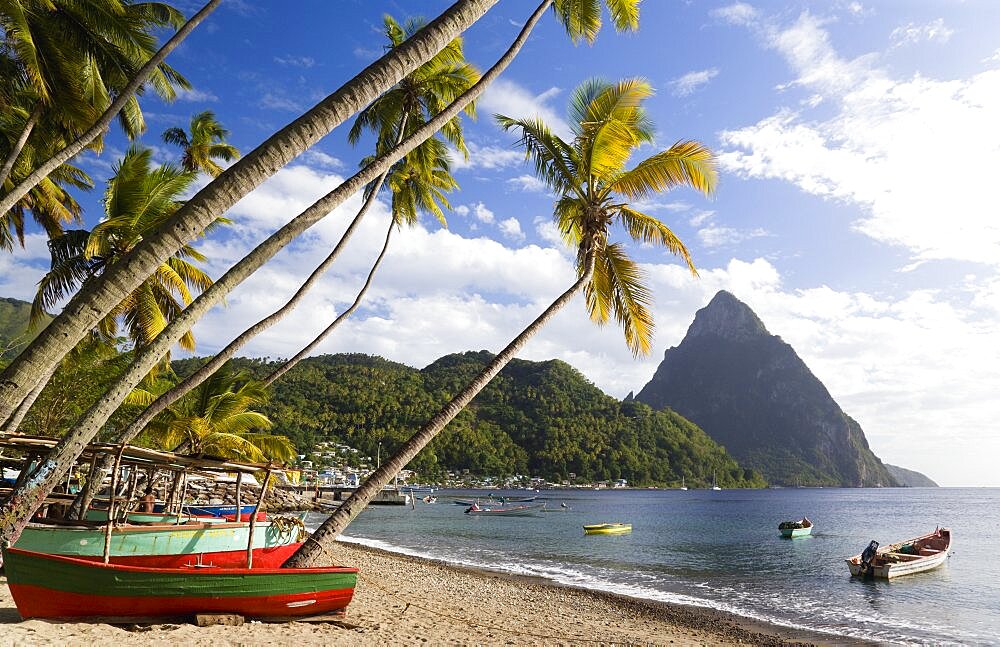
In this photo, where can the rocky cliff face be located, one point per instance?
(752, 394)
(909, 478)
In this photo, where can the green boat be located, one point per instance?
(795, 529)
(149, 545)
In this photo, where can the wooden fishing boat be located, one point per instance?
(487, 510)
(795, 529)
(903, 558)
(211, 510)
(166, 545)
(52, 586)
(608, 529)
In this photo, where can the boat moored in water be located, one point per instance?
(903, 558)
(527, 510)
(608, 529)
(795, 529)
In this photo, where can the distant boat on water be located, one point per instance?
(683, 487)
(715, 486)
(527, 510)
(794, 529)
(608, 529)
(903, 558)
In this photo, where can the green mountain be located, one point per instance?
(14, 333)
(753, 395)
(909, 478)
(535, 418)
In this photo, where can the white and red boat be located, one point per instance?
(903, 558)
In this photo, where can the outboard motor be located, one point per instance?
(867, 559)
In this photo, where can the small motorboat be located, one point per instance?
(903, 558)
(504, 510)
(608, 529)
(795, 529)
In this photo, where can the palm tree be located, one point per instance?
(418, 182)
(71, 57)
(84, 311)
(63, 152)
(49, 203)
(594, 187)
(220, 419)
(206, 143)
(138, 199)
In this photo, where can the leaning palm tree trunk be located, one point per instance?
(29, 125)
(289, 364)
(22, 409)
(96, 300)
(81, 142)
(15, 515)
(313, 552)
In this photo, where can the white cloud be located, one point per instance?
(508, 98)
(486, 157)
(739, 13)
(693, 81)
(716, 236)
(701, 217)
(511, 228)
(319, 158)
(482, 213)
(528, 183)
(275, 101)
(21, 268)
(911, 33)
(295, 61)
(548, 232)
(870, 148)
(196, 96)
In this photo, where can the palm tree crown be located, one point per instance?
(219, 419)
(594, 187)
(206, 143)
(138, 198)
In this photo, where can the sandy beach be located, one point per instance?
(406, 601)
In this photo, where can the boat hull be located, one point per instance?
(262, 558)
(795, 533)
(51, 586)
(155, 540)
(608, 529)
(889, 564)
(212, 510)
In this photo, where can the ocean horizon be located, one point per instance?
(722, 550)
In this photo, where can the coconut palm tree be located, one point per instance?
(19, 378)
(220, 418)
(418, 182)
(49, 203)
(138, 199)
(71, 57)
(205, 144)
(595, 187)
(85, 310)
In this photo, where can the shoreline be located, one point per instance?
(405, 600)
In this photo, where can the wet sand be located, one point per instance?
(402, 600)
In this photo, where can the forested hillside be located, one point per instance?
(538, 418)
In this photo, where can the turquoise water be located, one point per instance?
(723, 550)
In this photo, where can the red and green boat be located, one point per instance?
(167, 545)
(53, 586)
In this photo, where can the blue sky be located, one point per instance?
(855, 211)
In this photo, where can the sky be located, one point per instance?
(857, 144)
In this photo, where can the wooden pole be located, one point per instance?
(111, 505)
(239, 507)
(184, 489)
(130, 496)
(253, 517)
(168, 504)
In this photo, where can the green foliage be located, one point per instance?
(15, 332)
(537, 418)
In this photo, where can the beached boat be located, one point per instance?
(166, 545)
(794, 529)
(211, 510)
(52, 586)
(504, 510)
(903, 558)
(608, 529)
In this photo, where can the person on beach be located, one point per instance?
(148, 500)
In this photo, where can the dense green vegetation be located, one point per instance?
(537, 418)
(14, 329)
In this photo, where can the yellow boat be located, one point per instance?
(608, 529)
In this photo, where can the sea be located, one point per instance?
(722, 550)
